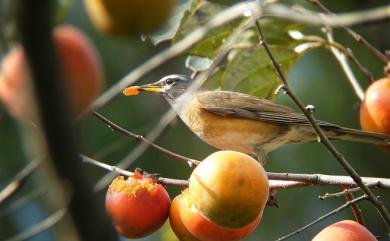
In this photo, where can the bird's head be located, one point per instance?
(170, 87)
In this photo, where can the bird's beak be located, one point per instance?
(133, 90)
(155, 88)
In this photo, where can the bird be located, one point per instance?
(230, 120)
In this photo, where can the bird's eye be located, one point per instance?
(169, 81)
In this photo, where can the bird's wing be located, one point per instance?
(228, 103)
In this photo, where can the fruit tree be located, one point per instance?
(268, 120)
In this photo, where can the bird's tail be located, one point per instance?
(348, 134)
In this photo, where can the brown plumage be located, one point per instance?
(240, 122)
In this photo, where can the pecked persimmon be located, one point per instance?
(204, 229)
(229, 188)
(80, 65)
(138, 206)
(346, 230)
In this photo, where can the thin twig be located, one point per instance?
(358, 38)
(115, 127)
(323, 138)
(357, 213)
(341, 58)
(18, 181)
(162, 180)
(339, 194)
(340, 208)
(22, 201)
(367, 16)
(40, 227)
(340, 47)
(139, 149)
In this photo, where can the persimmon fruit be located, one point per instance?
(375, 109)
(80, 65)
(138, 206)
(176, 222)
(346, 230)
(204, 229)
(128, 17)
(229, 188)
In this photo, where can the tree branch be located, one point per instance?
(333, 180)
(162, 180)
(344, 206)
(39, 227)
(358, 38)
(139, 149)
(19, 180)
(340, 57)
(339, 194)
(308, 112)
(277, 180)
(115, 127)
(332, 20)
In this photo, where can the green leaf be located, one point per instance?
(198, 17)
(169, 30)
(276, 31)
(249, 70)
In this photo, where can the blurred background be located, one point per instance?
(316, 78)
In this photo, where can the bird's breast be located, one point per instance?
(230, 133)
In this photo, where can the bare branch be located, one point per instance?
(340, 53)
(139, 149)
(276, 180)
(339, 194)
(344, 206)
(340, 57)
(19, 203)
(332, 180)
(40, 227)
(162, 180)
(115, 127)
(355, 208)
(323, 138)
(19, 180)
(332, 20)
(358, 38)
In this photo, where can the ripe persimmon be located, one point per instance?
(176, 222)
(127, 17)
(80, 66)
(346, 230)
(375, 109)
(229, 188)
(204, 229)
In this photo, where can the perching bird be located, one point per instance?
(235, 121)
